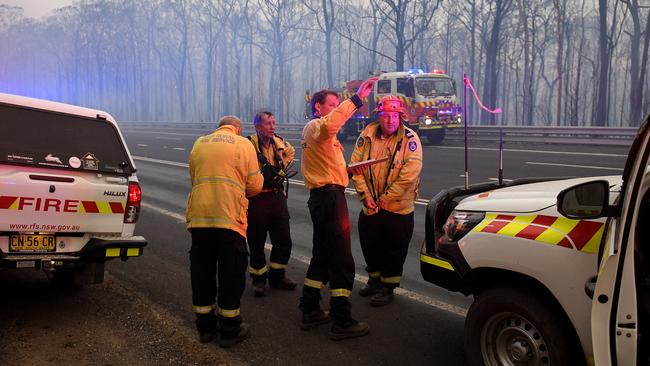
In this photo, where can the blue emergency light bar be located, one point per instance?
(416, 71)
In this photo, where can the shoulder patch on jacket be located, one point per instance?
(413, 145)
(360, 141)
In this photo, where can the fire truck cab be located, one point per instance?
(430, 100)
(429, 97)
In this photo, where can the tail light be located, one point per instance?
(132, 210)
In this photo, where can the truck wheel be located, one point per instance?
(436, 137)
(512, 326)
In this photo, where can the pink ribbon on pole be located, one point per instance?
(469, 83)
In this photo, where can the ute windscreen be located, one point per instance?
(53, 140)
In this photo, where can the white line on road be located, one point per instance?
(167, 138)
(350, 191)
(532, 151)
(143, 145)
(454, 309)
(504, 179)
(575, 166)
(165, 162)
(179, 148)
(130, 131)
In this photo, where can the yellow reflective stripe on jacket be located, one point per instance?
(198, 220)
(391, 280)
(340, 292)
(229, 313)
(313, 283)
(203, 309)
(278, 265)
(218, 179)
(260, 271)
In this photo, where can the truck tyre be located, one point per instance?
(513, 326)
(436, 137)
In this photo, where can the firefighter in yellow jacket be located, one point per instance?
(224, 172)
(326, 176)
(387, 190)
(268, 211)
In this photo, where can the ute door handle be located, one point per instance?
(590, 287)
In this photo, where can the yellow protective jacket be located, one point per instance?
(224, 172)
(397, 182)
(285, 151)
(322, 161)
(278, 151)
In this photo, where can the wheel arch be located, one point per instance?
(481, 279)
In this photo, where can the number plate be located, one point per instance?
(32, 243)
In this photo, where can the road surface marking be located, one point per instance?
(166, 162)
(454, 309)
(504, 179)
(143, 145)
(350, 191)
(575, 166)
(167, 138)
(531, 151)
(179, 148)
(148, 132)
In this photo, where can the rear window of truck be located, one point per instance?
(54, 140)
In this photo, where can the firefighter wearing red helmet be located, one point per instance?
(388, 191)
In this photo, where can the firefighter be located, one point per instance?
(268, 211)
(224, 171)
(388, 191)
(326, 176)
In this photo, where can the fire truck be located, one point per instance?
(430, 100)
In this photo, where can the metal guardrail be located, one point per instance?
(616, 136)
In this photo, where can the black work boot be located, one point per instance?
(313, 319)
(383, 296)
(207, 337)
(259, 289)
(371, 287)
(350, 329)
(283, 283)
(244, 332)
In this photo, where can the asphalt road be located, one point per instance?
(425, 323)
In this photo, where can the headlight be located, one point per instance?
(460, 223)
(427, 121)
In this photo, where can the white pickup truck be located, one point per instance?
(559, 269)
(69, 196)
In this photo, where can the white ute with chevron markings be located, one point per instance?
(69, 196)
(529, 252)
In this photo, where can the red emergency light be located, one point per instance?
(437, 71)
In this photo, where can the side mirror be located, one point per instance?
(588, 200)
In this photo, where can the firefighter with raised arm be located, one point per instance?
(326, 176)
(388, 191)
(268, 211)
